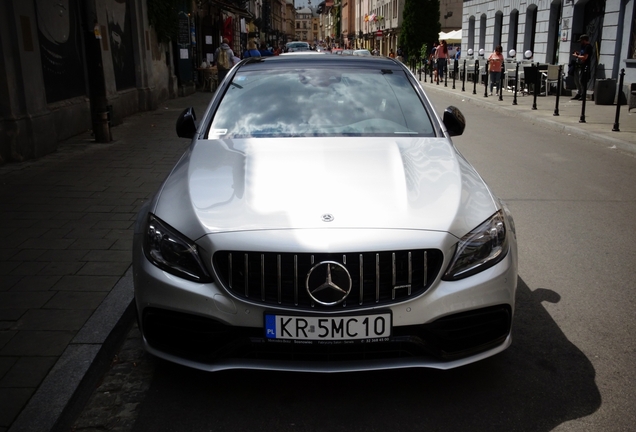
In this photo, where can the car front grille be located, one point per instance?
(279, 279)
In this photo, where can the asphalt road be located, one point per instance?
(571, 366)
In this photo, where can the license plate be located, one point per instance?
(367, 328)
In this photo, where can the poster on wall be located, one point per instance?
(60, 49)
(121, 42)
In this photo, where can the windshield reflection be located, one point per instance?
(320, 102)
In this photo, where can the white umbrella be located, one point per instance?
(454, 36)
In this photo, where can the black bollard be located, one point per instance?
(445, 70)
(464, 77)
(425, 69)
(583, 99)
(618, 102)
(455, 70)
(501, 81)
(486, 78)
(475, 77)
(514, 100)
(436, 67)
(556, 106)
(537, 84)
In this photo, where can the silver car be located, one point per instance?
(322, 220)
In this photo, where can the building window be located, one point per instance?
(531, 26)
(498, 28)
(482, 32)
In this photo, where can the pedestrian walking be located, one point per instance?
(441, 55)
(583, 59)
(223, 58)
(495, 61)
(251, 50)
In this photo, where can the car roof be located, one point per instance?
(307, 60)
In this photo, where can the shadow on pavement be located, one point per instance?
(541, 381)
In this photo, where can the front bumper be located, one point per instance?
(202, 326)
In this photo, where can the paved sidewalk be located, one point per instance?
(66, 227)
(599, 119)
(66, 224)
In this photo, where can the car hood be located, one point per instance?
(294, 183)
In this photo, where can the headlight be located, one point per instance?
(171, 251)
(480, 249)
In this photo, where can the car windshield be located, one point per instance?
(320, 102)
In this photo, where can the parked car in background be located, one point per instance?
(362, 52)
(337, 51)
(334, 228)
(297, 46)
(347, 52)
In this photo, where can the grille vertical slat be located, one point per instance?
(377, 278)
(361, 279)
(295, 280)
(425, 268)
(278, 278)
(263, 277)
(246, 276)
(279, 281)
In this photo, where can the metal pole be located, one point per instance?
(464, 77)
(421, 69)
(501, 81)
(486, 70)
(455, 70)
(436, 70)
(556, 107)
(514, 100)
(425, 69)
(475, 77)
(618, 102)
(537, 84)
(445, 69)
(583, 99)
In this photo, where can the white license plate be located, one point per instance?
(322, 328)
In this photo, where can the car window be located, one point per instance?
(320, 102)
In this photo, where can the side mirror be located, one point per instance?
(186, 123)
(454, 121)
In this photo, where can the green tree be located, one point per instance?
(420, 25)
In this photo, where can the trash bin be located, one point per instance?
(604, 91)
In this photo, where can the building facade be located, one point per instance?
(304, 28)
(68, 66)
(548, 31)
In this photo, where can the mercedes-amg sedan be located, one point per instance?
(322, 220)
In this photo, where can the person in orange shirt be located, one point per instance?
(495, 61)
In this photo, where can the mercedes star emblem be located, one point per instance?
(327, 217)
(328, 283)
